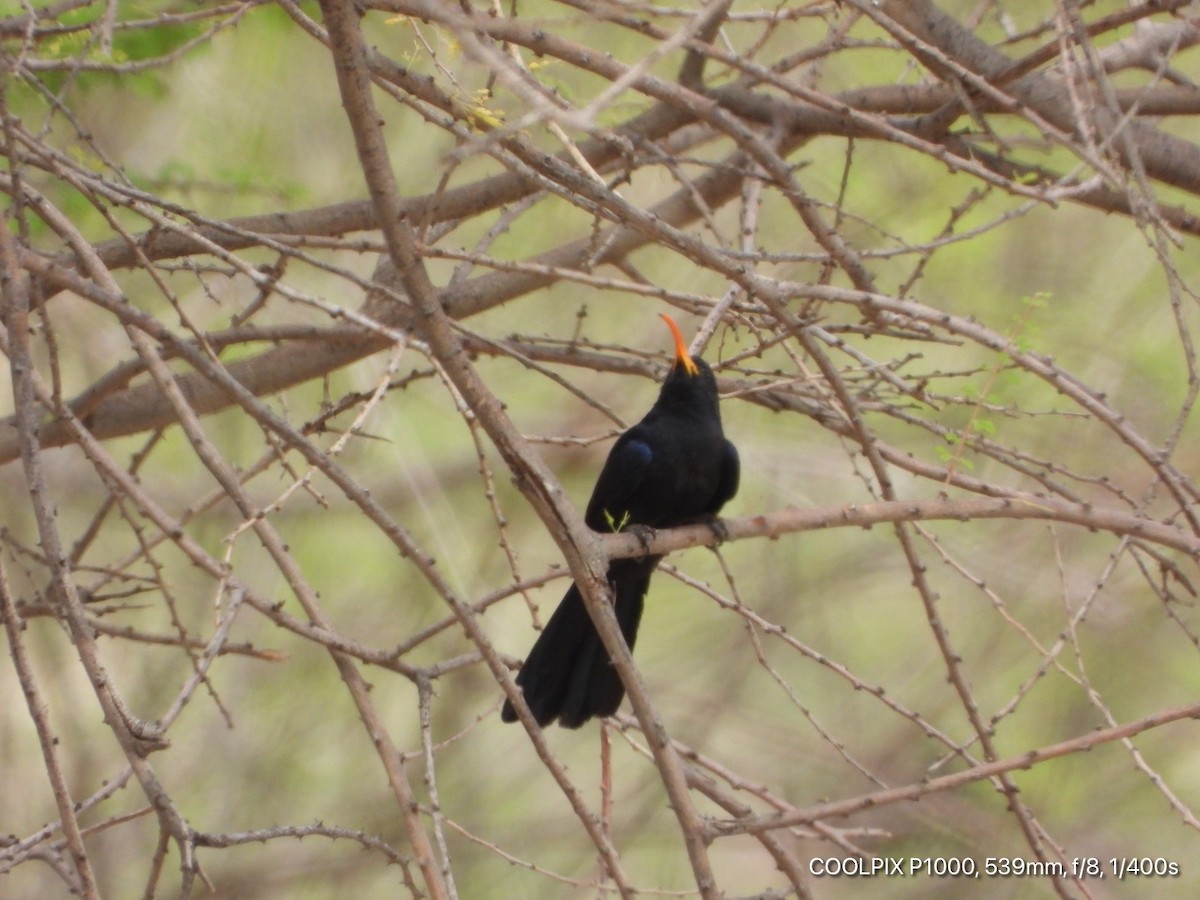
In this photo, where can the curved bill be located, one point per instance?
(681, 351)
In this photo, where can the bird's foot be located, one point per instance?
(644, 534)
(720, 532)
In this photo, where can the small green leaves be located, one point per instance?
(979, 426)
(613, 524)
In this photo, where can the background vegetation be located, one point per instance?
(320, 319)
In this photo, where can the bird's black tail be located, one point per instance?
(568, 674)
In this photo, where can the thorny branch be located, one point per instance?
(871, 213)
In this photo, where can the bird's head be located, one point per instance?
(690, 380)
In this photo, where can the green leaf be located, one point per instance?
(613, 524)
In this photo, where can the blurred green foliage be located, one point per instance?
(250, 122)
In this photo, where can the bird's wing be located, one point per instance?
(731, 469)
(619, 480)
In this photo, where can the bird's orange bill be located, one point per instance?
(681, 351)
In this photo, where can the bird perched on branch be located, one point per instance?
(674, 467)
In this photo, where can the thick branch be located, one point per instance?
(864, 515)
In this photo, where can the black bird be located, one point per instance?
(674, 467)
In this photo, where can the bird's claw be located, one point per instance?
(644, 534)
(719, 530)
